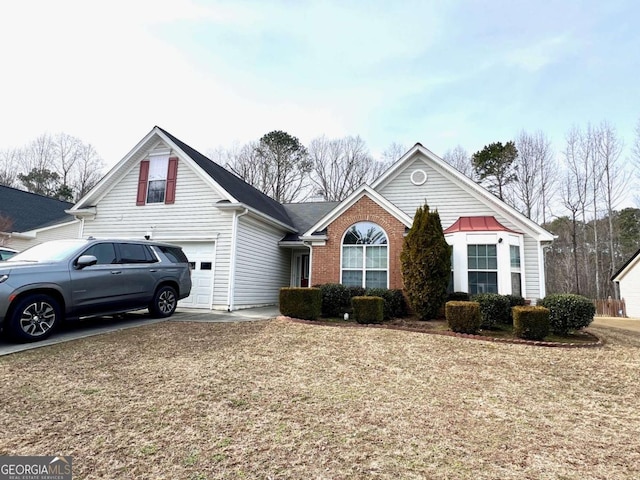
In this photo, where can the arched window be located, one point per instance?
(365, 259)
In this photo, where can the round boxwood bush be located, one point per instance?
(336, 299)
(568, 312)
(494, 309)
(394, 302)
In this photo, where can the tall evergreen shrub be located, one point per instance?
(426, 264)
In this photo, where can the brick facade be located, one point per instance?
(326, 259)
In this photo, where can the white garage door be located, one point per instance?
(201, 255)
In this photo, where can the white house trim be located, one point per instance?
(352, 200)
(477, 190)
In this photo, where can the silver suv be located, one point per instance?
(66, 279)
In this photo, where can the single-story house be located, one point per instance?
(628, 279)
(29, 218)
(244, 246)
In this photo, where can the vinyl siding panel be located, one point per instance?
(630, 290)
(262, 267)
(444, 193)
(192, 216)
(69, 230)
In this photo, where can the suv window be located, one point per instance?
(136, 253)
(175, 254)
(104, 252)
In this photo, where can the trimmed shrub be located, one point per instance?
(531, 323)
(394, 302)
(335, 299)
(494, 309)
(514, 301)
(368, 309)
(463, 317)
(302, 303)
(458, 297)
(356, 292)
(568, 312)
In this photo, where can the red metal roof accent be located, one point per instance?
(478, 224)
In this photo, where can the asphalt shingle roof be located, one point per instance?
(29, 211)
(237, 187)
(305, 215)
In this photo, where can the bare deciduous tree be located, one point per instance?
(10, 160)
(536, 175)
(459, 159)
(393, 153)
(341, 165)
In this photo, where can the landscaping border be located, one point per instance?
(598, 342)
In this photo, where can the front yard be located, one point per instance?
(285, 400)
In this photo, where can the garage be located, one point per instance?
(201, 256)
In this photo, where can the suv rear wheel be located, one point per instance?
(34, 318)
(164, 302)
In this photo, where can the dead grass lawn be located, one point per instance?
(282, 400)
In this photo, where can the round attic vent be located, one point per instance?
(418, 177)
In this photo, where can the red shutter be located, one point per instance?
(142, 182)
(172, 175)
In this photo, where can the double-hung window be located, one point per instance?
(157, 183)
(482, 261)
(365, 258)
(516, 279)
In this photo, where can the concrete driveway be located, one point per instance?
(99, 325)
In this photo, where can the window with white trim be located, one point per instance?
(157, 183)
(516, 278)
(482, 264)
(365, 258)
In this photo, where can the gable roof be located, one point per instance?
(241, 190)
(341, 207)
(476, 189)
(624, 269)
(233, 188)
(30, 211)
(305, 214)
(478, 224)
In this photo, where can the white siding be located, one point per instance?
(452, 200)
(61, 232)
(630, 289)
(192, 216)
(262, 267)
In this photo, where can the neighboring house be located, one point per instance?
(628, 279)
(244, 246)
(33, 218)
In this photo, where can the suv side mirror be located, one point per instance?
(86, 261)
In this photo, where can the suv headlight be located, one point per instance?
(3, 278)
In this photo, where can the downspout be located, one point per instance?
(81, 227)
(308, 244)
(232, 260)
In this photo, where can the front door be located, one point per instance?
(301, 270)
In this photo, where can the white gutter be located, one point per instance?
(232, 261)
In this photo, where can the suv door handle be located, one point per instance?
(116, 272)
(153, 270)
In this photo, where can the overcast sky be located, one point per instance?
(213, 73)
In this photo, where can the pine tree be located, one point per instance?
(426, 264)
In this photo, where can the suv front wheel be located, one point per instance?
(34, 318)
(164, 302)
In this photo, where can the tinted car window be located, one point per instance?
(104, 252)
(135, 253)
(175, 254)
